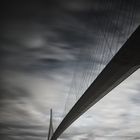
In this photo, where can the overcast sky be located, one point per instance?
(50, 52)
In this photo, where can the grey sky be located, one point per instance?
(50, 52)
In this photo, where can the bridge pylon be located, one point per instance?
(50, 132)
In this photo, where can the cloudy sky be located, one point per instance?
(50, 52)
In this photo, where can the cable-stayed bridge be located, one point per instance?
(123, 64)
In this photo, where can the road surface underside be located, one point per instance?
(123, 64)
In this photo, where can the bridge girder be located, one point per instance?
(123, 64)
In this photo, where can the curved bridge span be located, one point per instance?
(123, 64)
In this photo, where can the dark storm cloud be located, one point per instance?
(55, 38)
(13, 93)
(57, 31)
(22, 130)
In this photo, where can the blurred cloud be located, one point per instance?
(46, 49)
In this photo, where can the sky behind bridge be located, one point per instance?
(50, 52)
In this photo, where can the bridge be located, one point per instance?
(122, 65)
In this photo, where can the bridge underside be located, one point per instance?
(123, 64)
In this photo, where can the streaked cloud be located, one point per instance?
(50, 52)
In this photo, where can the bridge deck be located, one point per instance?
(123, 64)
